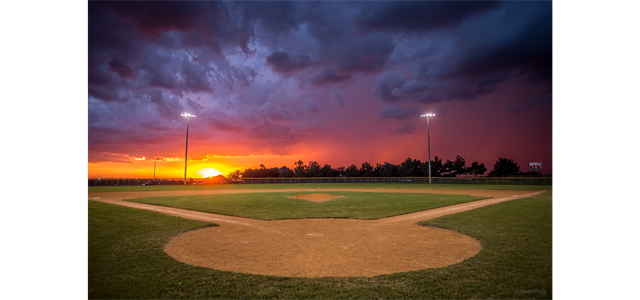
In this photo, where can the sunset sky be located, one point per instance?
(337, 82)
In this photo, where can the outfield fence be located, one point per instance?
(101, 181)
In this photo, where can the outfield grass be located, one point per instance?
(135, 188)
(276, 205)
(126, 261)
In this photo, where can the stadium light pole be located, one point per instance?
(154, 168)
(186, 146)
(428, 141)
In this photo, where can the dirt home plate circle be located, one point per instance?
(319, 247)
(322, 247)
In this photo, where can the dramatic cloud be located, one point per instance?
(272, 78)
(397, 112)
(417, 15)
(122, 69)
(328, 76)
(368, 54)
(386, 83)
(285, 64)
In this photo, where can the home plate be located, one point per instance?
(95, 198)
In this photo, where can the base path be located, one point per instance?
(319, 247)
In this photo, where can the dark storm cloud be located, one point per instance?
(524, 42)
(386, 83)
(155, 18)
(471, 88)
(328, 76)
(471, 59)
(175, 72)
(122, 69)
(107, 91)
(392, 87)
(397, 112)
(284, 64)
(148, 62)
(328, 21)
(368, 54)
(417, 15)
(544, 99)
(168, 107)
(275, 17)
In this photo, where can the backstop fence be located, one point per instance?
(100, 181)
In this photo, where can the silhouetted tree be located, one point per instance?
(376, 170)
(366, 170)
(447, 168)
(262, 172)
(327, 171)
(504, 167)
(352, 171)
(454, 168)
(313, 169)
(235, 174)
(436, 168)
(298, 168)
(409, 168)
(388, 170)
(476, 168)
(458, 167)
(341, 171)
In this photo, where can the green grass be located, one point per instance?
(126, 261)
(135, 188)
(276, 205)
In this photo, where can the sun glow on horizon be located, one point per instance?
(208, 172)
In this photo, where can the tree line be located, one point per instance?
(408, 168)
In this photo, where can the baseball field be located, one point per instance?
(383, 241)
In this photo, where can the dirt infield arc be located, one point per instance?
(319, 247)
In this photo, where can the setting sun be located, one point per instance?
(209, 172)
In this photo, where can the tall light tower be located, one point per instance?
(186, 146)
(154, 168)
(428, 141)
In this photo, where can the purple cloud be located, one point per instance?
(397, 112)
(417, 15)
(284, 64)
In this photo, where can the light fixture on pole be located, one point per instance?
(428, 141)
(154, 168)
(186, 146)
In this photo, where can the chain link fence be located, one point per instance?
(100, 181)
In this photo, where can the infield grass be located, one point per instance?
(276, 206)
(126, 261)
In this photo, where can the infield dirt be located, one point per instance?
(319, 247)
(315, 197)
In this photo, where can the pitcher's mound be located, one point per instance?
(315, 197)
